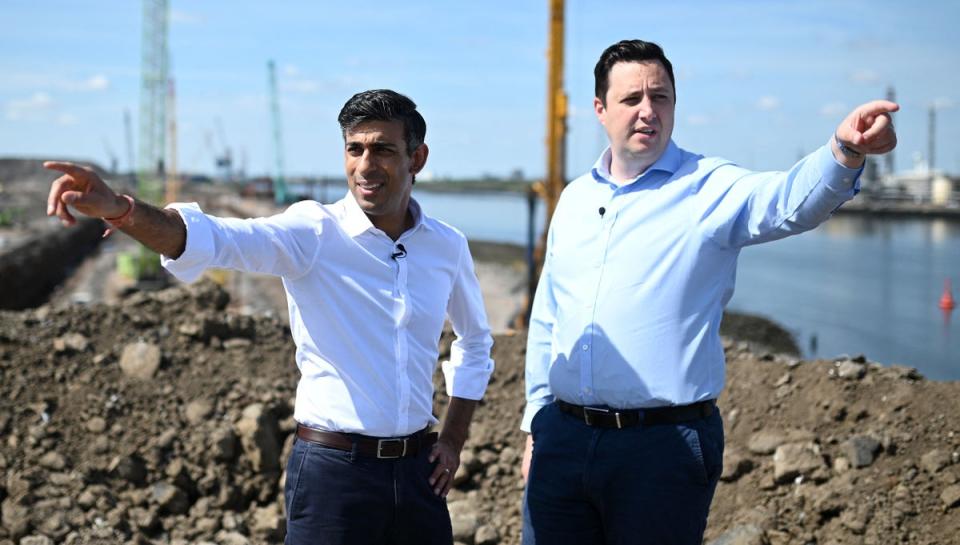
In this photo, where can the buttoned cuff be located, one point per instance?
(839, 178)
(198, 249)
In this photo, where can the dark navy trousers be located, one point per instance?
(336, 497)
(639, 485)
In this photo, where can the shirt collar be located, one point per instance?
(356, 222)
(669, 162)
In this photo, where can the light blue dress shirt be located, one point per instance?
(636, 276)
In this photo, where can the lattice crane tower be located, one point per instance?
(153, 99)
(279, 184)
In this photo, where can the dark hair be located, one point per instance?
(627, 51)
(384, 105)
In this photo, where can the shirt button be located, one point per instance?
(585, 347)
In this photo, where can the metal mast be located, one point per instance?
(279, 185)
(173, 180)
(550, 188)
(153, 98)
(556, 113)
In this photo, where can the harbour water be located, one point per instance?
(855, 285)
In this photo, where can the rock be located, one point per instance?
(735, 464)
(796, 459)
(268, 523)
(851, 370)
(935, 460)
(15, 518)
(50, 522)
(841, 464)
(486, 535)
(463, 518)
(96, 425)
(236, 343)
(259, 435)
(53, 460)
(140, 360)
(145, 519)
(951, 496)
(171, 498)
(36, 540)
(860, 450)
(180, 476)
(129, 468)
(71, 342)
(198, 411)
(223, 445)
(767, 441)
(741, 535)
(225, 537)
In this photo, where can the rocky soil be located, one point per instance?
(167, 419)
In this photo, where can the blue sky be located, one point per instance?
(758, 82)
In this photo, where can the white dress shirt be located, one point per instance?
(628, 307)
(366, 319)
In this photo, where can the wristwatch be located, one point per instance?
(847, 150)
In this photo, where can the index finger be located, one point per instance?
(878, 107)
(66, 167)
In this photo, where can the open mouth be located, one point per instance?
(368, 188)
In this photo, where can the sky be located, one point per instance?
(759, 83)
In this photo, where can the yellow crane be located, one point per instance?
(549, 189)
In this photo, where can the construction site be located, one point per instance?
(138, 410)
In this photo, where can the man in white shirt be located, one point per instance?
(369, 280)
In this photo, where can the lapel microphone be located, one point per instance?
(401, 252)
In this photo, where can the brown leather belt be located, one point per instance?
(373, 447)
(625, 418)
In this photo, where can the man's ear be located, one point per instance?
(600, 110)
(419, 158)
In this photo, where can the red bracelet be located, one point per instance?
(121, 220)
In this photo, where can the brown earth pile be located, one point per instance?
(167, 419)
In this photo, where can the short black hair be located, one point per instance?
(627, 51)
(384, 105)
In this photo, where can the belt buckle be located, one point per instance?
(382, 442)
(588, 410)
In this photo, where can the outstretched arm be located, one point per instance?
(161, 230)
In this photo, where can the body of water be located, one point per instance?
(855, 285)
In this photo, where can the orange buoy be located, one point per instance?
(946, 300)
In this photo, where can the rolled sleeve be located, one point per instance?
(468, 370)
(199, 246)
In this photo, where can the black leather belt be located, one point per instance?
(374, 447)
(625, 418)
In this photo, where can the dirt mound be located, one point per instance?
(167, 419)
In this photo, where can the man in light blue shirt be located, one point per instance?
(624, 358)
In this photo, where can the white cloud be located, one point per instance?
(943, 103)
(768, 103)
(864, 75)
(29, 108)
(182, 17)
(291, 70)
(698, 120)
(98, 82)
(67, 119)
(833, 109)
